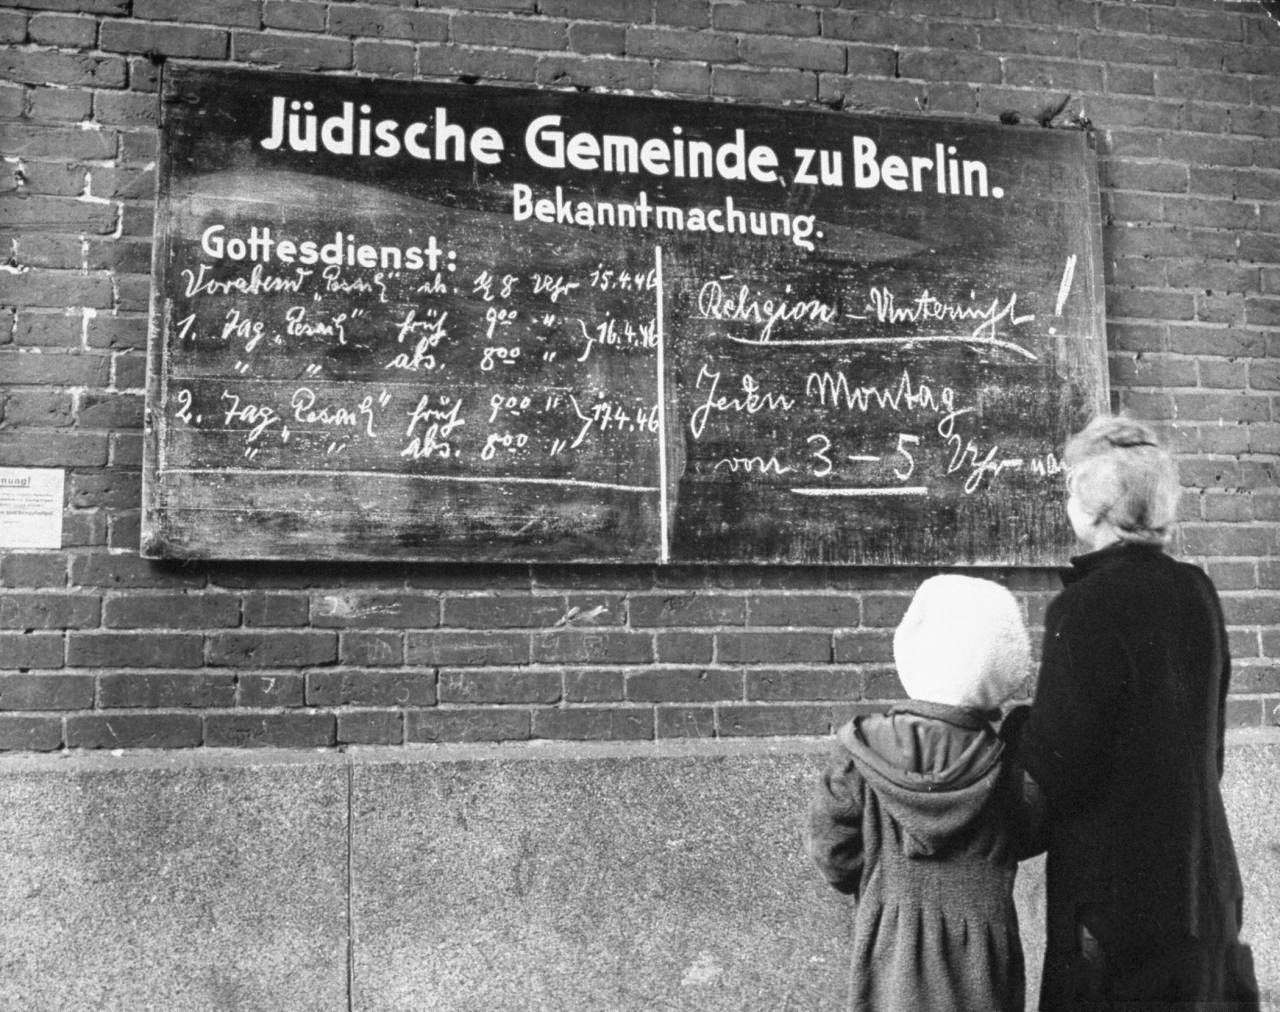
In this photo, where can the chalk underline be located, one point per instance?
(904, 490)
(472, 479)
(993, 342)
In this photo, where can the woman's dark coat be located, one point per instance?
(917, 816)
(1125, 739)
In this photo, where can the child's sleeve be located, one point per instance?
(1025, 801)
(835, 823)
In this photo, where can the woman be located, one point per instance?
(1125, 740)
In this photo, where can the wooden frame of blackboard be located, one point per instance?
(538, 326)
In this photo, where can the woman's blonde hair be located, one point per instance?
(1123, 476)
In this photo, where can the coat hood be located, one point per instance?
(933, 767)
(962, 642)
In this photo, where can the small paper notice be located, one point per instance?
(31, 507)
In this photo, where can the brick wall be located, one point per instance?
(100, 649)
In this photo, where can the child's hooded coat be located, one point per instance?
(918, 817)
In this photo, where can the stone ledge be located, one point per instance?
(465, 752)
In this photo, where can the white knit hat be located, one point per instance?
(962, 642)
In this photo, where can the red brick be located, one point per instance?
(134, 730)
(263, 608)
(753, 720)
(301, 16)
(491, 648)
(594, 685)
(62, 143)
(1245, 713)
(769, 86)
(386, 59)
(30, 733)
(270, 691)
(930, 65)
(13, 26)
(49, 611)
(293, 51)
(115, 332)
(670, 44)
(594, 723)
(171, 611)
(826, 611)
(773, 647)
(882, 683)
(115, 487)
(1044, 41)
(1224, 24)
(371, 649)
(680, 13)
(388, 23)
(596, 10)
(174, 41)
(764, 19)
(686, 722)
(684, 647)
(1150, 304)
(803, 683)
(1229, 540)
(361, 610)
(1214, 407)
(681, 685)
(884, 610)
(365, 687)
(240, 13)
(469, 62)
(594, 610)
(371, 727)
(36, 408)
(502, 612)
(32, 569)
(593, 647)
(893, 95)
(44, 67)
(31, 650)
(682, 78)
(122, 569)
(671, 610)
(861, 647)
(517, 33)
(165, 691)
(598, 39)
(46, 692)
(501, 685)
(479, 724)
(1243, 644)
(110, 411)
(803, 54)
(65, 30)
(38, 287)
(133, 650)
(1144, 174)
(48, 330)
(560, 71)
(272, 649)
(279, 730)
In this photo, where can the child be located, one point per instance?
(921, 817)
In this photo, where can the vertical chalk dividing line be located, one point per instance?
(663, 552)
(1064, 287)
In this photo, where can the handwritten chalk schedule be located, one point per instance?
(397, 320)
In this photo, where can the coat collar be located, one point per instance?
(968, 717)
(1115, 553)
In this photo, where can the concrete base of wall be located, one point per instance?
(549, 876)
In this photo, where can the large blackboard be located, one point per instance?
(396, 320)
